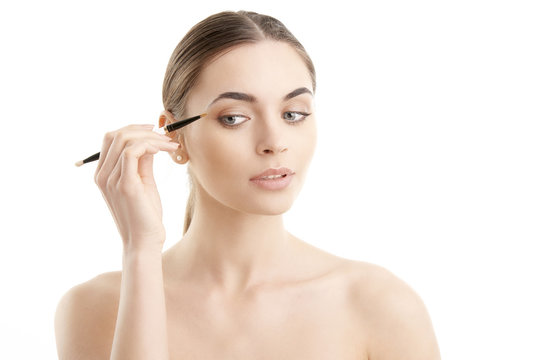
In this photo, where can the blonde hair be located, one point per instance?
(206, 40)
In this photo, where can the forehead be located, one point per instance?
(264, 69)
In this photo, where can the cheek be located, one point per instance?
(223, 161)
(307, 145)
(217, 157)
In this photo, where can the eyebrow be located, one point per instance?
(251, 99)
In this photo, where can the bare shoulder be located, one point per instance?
(85, 318)
(392, 313)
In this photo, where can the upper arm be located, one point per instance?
(84, 322)
(397, 320)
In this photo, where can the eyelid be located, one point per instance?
(220, 118)
(221, 121)
(304, 115)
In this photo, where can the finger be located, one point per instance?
(145, 168)
(145, 163)
(130, 150)
(109, 137)
(107, 141)
(118, 141)
(114, 176)
(133, 153)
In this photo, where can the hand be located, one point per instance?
(124, 175)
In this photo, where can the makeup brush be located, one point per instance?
(167, 129)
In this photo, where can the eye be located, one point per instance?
(295, 116)
(232, 120)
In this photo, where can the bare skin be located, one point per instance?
(238, 285)
(326, 308)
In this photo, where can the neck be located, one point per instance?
(232, 250)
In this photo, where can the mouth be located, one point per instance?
(272, 174)
(273, 179)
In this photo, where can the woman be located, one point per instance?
(238, 285)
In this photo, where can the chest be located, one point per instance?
(289, 323)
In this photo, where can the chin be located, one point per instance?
(272, 209)
(270, 204)
(255, 201)
(262, 203)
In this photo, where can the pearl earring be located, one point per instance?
(179, 158)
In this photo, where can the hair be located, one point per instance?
(208, 39)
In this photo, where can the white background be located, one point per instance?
(427, 159)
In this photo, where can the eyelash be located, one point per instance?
(296, 122)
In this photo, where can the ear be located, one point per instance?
(167, 118)
(162, 119)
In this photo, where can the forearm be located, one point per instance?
(141, 326)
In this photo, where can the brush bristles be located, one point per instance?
(79, 163)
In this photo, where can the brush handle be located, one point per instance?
(94, 157)
(167, 129)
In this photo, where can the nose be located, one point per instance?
(274, 149)
(271, 139)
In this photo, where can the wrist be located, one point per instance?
(144, 263)
(153, 244)
(142, 251)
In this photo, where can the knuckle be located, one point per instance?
(130, 143)
(124, 188)
(109, 136)
(120, 136)
(129, 152)
(110, 185)
(100, 180)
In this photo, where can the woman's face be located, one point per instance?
(257, 98)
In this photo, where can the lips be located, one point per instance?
(272, 174)
(273, 179)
